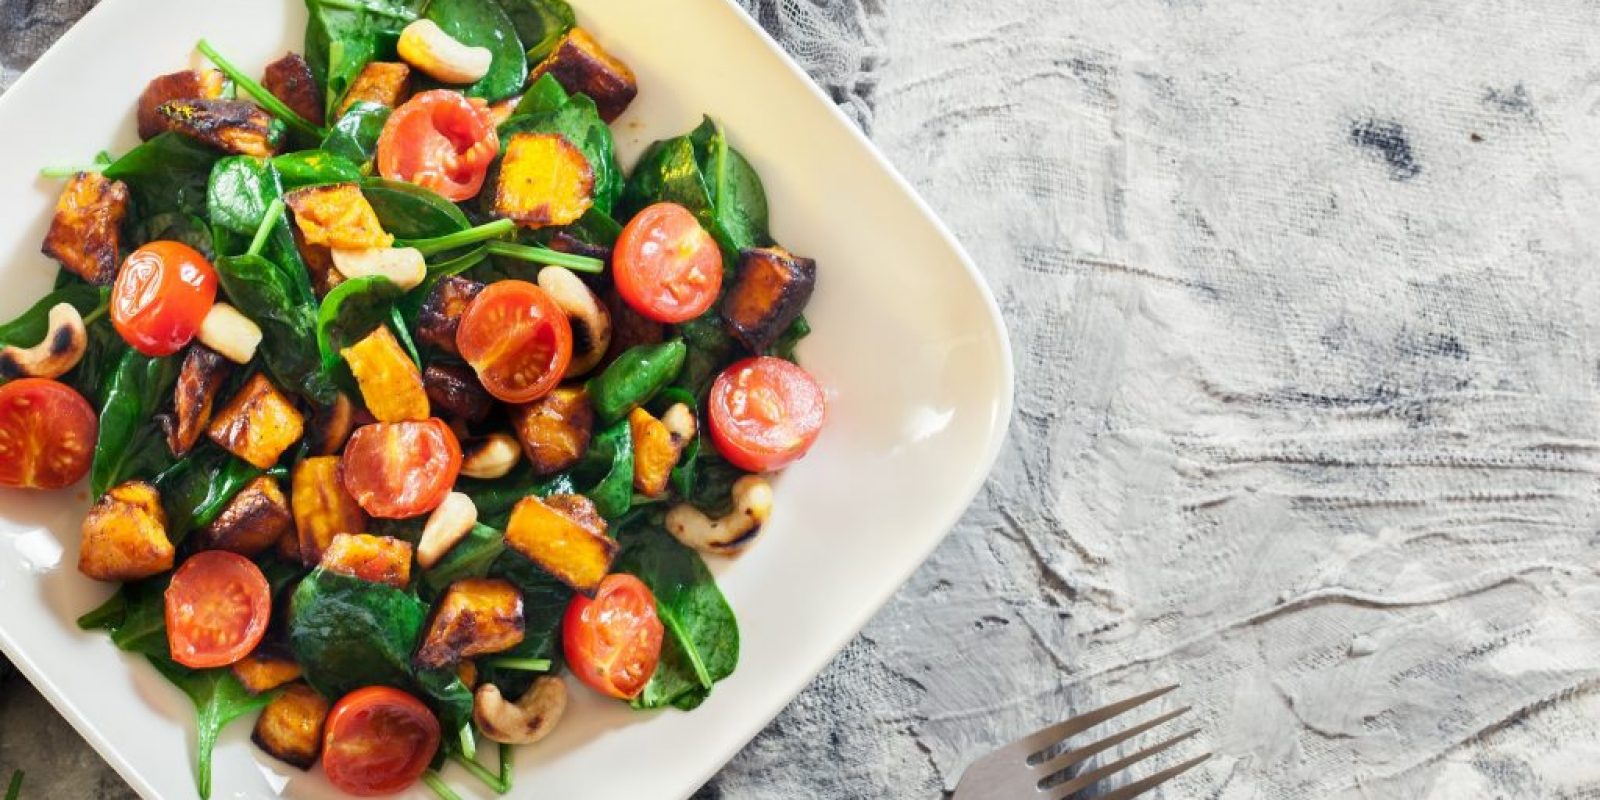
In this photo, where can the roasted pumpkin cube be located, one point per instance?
(455, 391)
(199, 379)
(289, 79)
(265, 669)
(337, 215)
(382, 82)
(290, 727)
(555, 429)
(253, 520)
(770, 292)
(322, 507)
(378, 559)
(258, 424)
(230, 125)
(476, 616)
(565, 535)
(125, 535)
(319, 263)
(654, 453)
(441, 312)
(579, 64)
(544, 180)
(86, 231)
(331, 426)
(390, 384)
(186, 84)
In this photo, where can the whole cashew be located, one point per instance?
(63, 346)
(404, 266)
(490, 457)
(752, 505)
(446, 526)
(424, 45)
(591, 322)
(527, 721)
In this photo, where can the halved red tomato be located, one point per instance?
(163, 292)
(439, 140)
(666, 266)
(396, 470)
(612, 642)
(218, 605)
(378, 740)
(765, 413)
(517, 339)
(47, 434)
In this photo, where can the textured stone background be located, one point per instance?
(1306, 419)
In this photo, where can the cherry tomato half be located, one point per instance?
(396, 470)
(765, 413)
(612, 643)
(47, 434)
(666, 266)
(163, 291)
(378, 740)
(439, 140)
(218, 605)
(517, 339)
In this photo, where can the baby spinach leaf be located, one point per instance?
(635, 377)
(539, 23)
(737, 196)
(409, 211)
(135, 617)
(129, 443)
(177, 226)
(240, 190)
(355, 135)
(543, 96)
(470, 558)
(29, 328)
(544, 602)
(343, 35)
(702, 642)
(790, 338)
(314, 167)
(667, 172)
(196, 489)
(347, 633)
(267, 294)
(495, 498)
(352, 310)
(218, 699)
(712, 491)
(612, 452)
(710, 348)
(482, 23)
(167, 173)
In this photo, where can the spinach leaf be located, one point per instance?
(684, 473)
(352, 310)
(712, 490)
(239, 192)
(355, 135)
(667, 172)
(495, 498)
(702, 642)
(470, 558)
(342, 36)
(196, 489)
(544, 602)
(539, 23)
(543, 96)
(739, 199)
(574, 118)
(177, 226)
(409, 211)
(347, 633)
(314, 167)
(636, 376)
(266, 293)
(135, 617)
(129, 443)
(482, 23)
(218, 699)
(710, 348)
(29, 328)
(790, 338)
(610, 455)
(167, 173)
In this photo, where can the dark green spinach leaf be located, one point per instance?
(218, 699)
(313, 168)
(129, 443)
(482, 23)
(539, 23)
(409, 211)
(197, 488)
(287, 314)
(347, 633)
(167, 173)
(355, 135)
(352, 310)
(610, 456)
(702, 642)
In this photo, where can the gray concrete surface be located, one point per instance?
(1302, 299)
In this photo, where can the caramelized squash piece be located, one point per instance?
(254, 520)
(337, 216)
(770, 292)
(544, 180)
(390, 384)
(379, 559)
(125, 535)
(579, 64)
(475, 617)
(258, 424)
(654, 453)
(332, 425)
(455, 391)
(264, 670)
(290, 727)
(319, 263)
(289, 79)
(186, 84)
(386, 83)
(322, 507)
(199, 379)
(555, 429)
(565, 535)
(86, 231)
(441, 312)
(233, 126)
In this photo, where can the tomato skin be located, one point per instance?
(396, 470)
(439, 140)
(217, 608)
(47, 434)
(765, 413)
(612, 642)
(162, 293)
(666, 266)
(378, 740)
(517, 339)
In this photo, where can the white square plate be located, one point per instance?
(908, 343)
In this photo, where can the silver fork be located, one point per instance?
(1025, 768)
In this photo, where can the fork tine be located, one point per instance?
(1098, 774)
(1146, 784)
(1043, 738)
(1071, 757)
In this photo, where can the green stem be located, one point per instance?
(438, 786)
(398, 322)
(469, 742)
(14, 789)
(674, 624)
(451, 241)
(98, 312)
(459, 264)
(268, 222)
(523, 664)
(544, 255)
(489, 779)
(506, 752)
(101, 160)
(267, 99)
(353, 5)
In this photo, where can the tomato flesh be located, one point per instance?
(439, 140)
(217, 608)
(666, 266)
(162, 294)
(765, 413)
(47, 434)
(612, 642)
(517, 339)
(396, 470)
(378, 740)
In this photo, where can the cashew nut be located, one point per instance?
(404, 266)
(680, 425)
(489, 457)
(529, 720)
(63, 346)
(230, 333)
(752, 505)
(591, 322)
(424, 45)
(446, 527)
